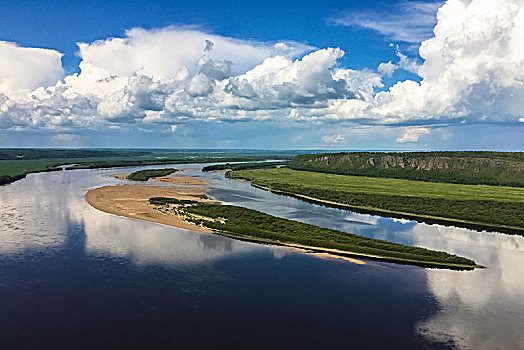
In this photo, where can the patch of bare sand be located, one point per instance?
(187, 169)
(120, 176)
(331, 256)
(308, 250)
(182, 180)
(132, 201)
(172, 179)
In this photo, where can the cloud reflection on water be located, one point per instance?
(480, 309)
(150, 243)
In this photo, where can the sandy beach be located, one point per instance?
(120, 176)
(132, 201)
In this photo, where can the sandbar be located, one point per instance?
(171, 179)
(132, 201)
(120, 176)
(182, 180)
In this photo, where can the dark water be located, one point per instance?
(71, 276)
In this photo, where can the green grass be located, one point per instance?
(247, 223)
(144, 175)
(385, 186)
(491, 205)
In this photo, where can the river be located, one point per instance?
(73, 276)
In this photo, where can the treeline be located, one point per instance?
(244, 166)
(479, 211)
(251, 223)
(6, 179)
(144, 175)
(488, 168)
(98, 164)
(16, 163)
(165, 200)
(171, 160)
(31, 153)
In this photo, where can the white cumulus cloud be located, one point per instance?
(472, 71)
(332, 139)
(27, 67)
(412, 134)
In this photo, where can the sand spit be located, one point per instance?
(187, 169)
(120, 176)
(182, 180)
(345, 258)
(132, 201)
(172, 179)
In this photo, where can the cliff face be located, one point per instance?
(419, 163)
(498, 168)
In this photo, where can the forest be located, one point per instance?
(144, 175)
(462, 167)
(247, 223)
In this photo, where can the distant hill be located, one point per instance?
(474, 167)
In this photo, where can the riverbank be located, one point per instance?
(397, 214)
(478, 207)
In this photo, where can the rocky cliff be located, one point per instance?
(494, 168)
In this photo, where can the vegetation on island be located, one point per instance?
(16, 163)
(491, 207)
(471, 167)
(252, 225)
(144, 175)
(245, 166)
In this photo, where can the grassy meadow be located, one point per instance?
(494, 205)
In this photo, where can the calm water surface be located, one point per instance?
(73, 276)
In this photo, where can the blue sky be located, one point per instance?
(376, 92)
(61, 24)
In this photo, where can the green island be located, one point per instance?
(254, 226)
(245, 166)
(497, 208)
(16, 163)
(144, 175)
